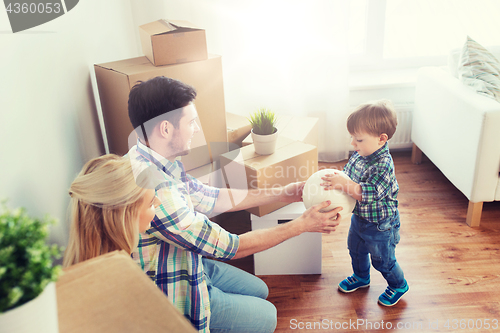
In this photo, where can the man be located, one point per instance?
(214, 296)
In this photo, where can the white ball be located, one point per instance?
(314, 193)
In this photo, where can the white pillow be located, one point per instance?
(479, 69)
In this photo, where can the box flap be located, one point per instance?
(139, 65)
(282, 154)
(285, 148)
(167, 26)
(158, 27)
(183, 25)
(127, 66)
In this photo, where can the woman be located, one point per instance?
(108, 209)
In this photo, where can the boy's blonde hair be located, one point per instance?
(374, 118)
(104, 209)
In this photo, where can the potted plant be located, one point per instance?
(27, 274)
(264, 131)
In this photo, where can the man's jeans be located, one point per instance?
(237, 300)
(379, 241)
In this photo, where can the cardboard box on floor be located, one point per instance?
(292, 161)
(238, 127)
(167, 42)
(110, 294)
(304, 129)
(115, 79)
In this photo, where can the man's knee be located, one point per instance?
(261, 290)
(268, 317)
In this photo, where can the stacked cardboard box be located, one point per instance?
(166, 42)
(177, 48)
(115, 79)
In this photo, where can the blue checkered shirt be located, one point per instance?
(171, 251)
(375, 174)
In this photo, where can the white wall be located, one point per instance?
(47, 106)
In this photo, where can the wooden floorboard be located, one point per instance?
(453, 270)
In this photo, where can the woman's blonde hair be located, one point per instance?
(374, 118)
(104, 208)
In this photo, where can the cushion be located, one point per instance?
(479, 69)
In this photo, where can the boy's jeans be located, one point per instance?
(379, 241)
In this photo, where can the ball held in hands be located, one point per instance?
(314, 193)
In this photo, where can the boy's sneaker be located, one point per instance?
(353, 283)
(392, 295)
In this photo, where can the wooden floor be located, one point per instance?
(453, 270)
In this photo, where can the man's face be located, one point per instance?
(181, 138)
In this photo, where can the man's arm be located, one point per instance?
(231, 200)
(310, 221)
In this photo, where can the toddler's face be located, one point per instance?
(366, 144)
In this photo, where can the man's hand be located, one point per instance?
(292, 192)
(312, 220)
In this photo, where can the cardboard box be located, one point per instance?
(303, 129)
(166, 42)
(111, 293)
(292, 161)
(238, 127)
(115, 79)
(297, 255)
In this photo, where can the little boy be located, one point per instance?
(374, 230)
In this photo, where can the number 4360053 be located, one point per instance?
(32, 8)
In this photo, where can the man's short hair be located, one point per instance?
(153, 100)
(374, 118)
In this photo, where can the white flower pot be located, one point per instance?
(38, 315)
(265, 144)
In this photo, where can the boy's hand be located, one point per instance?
(334, 181)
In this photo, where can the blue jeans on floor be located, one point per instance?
(237, 300)
(378, 241)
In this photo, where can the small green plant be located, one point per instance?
(263, 121)
(25, 259)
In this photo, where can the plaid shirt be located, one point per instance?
(170, 252)
(375, 174)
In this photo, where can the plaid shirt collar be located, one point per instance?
(173, 169)
(377, 154)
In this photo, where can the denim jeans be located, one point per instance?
(378, 241)
(237, 300)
